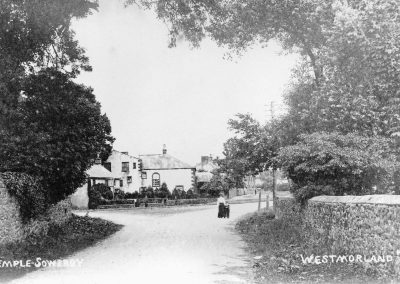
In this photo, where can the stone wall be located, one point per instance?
(61, 212)
(287, 207)
(355, 225)
(366, 225)
(11, 228)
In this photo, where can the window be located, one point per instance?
(144, 175)
(134, 165)
(125, 167)
(121, 183)
(129, 179)
(180, 187)
(156, 180)
(107, 166)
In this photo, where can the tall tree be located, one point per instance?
(350, 51)
(251, 150)
(58, 131)
(50, 127)
(36, 34)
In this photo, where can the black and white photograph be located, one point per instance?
(199, 141)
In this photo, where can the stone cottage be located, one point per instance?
(160, 168)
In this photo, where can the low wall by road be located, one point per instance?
(366, 225)
(287, 207)
(12, 229)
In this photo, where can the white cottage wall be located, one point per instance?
(172, 177)
(116, 159)
(80, 198)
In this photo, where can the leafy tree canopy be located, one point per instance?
(36, 34)
(57, 131)
(350, 49)
(335, 164)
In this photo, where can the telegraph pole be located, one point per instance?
(273, 167)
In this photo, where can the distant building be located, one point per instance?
(204, 170)
(160, 168)
(125, 169)
(96, 174)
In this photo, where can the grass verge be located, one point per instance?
(276, 247)
(61, 241)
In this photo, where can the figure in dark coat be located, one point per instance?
(221, 206)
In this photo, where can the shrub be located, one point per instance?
(336, 164)
(283, 187)
(119, 193)
(28, 192)
(97, 193)
(131, 195)
(183, 194)
(189, 194)
(176, 194)
(163, 192)
(149, 192)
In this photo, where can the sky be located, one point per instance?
(181, 97)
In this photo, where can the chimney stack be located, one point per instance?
(164, 151)
(205, 160)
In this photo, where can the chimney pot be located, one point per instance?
(164, 151)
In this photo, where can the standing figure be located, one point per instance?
(221, 205)
(227, 210)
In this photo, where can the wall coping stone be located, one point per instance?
(284, 197)
(383, 199)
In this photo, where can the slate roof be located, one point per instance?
(208, 167)
(162, 162)
(98, 171)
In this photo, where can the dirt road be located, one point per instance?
(178, 245)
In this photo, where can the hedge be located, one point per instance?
(28, 192)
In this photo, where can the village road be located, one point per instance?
(173, 245)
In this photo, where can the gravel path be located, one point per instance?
(176, 245)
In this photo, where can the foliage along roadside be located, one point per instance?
(336, 164)
(50, 127)
(346, 80)
(28, 192)
(276, 245)
(60, 242)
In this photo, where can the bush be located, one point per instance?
(190, 194)
(176, 194)
(335, 164)
(131, 195)
(183, 194)
(163, 192)
(149, 192)
(28, 192)
(119, 194)
(97, 194)
(283, 187)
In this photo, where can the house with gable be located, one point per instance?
(160, 168)
(204, 170)
(96, 174)
(125, 168)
